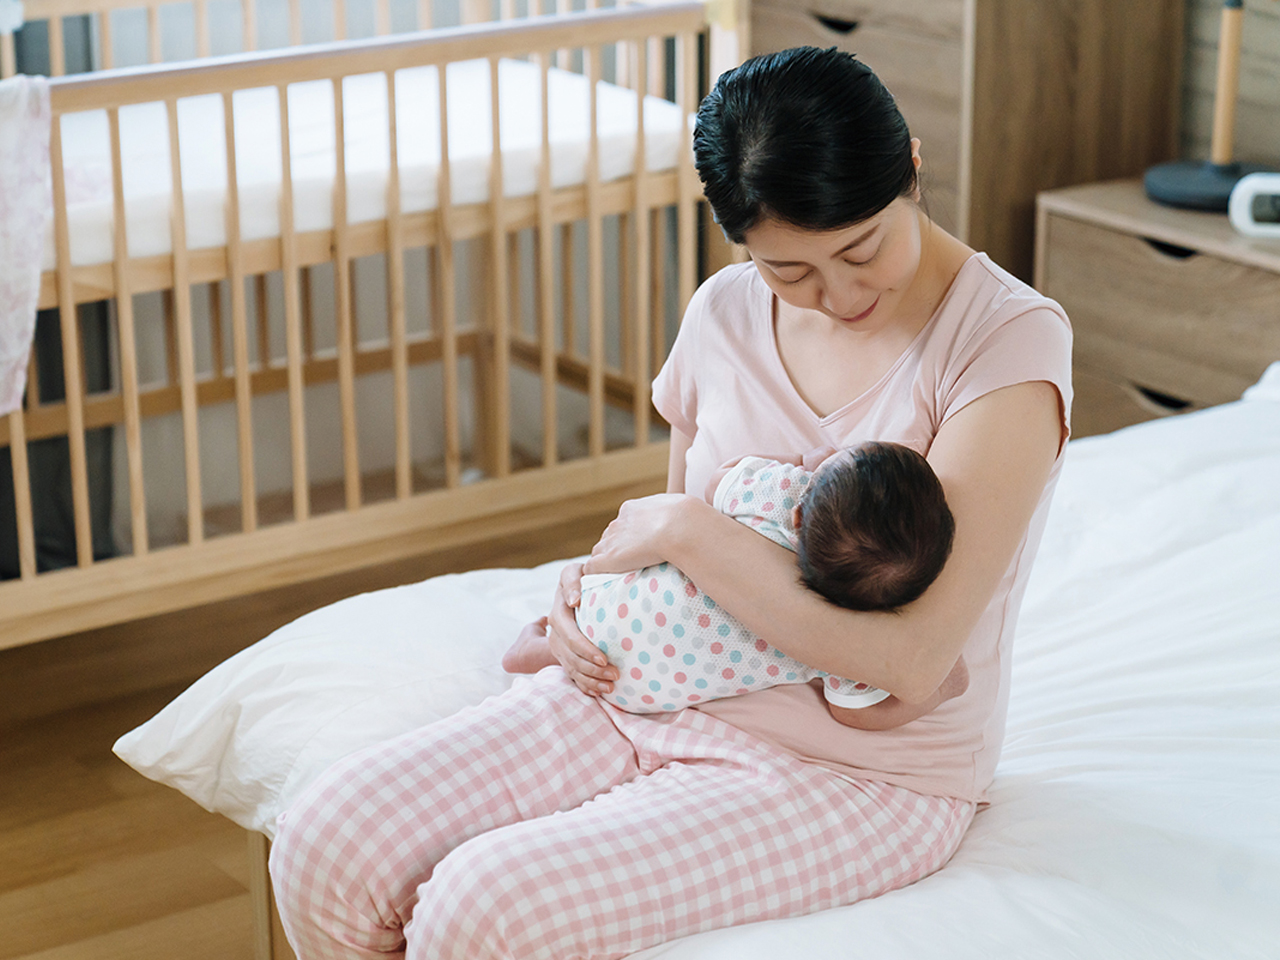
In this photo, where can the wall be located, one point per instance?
(1258, 106)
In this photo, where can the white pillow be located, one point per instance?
(247, 736)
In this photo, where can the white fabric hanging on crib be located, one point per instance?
(25, 208)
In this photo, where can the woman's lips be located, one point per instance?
(864, 314)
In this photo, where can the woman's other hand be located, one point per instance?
(643, 534)
(581, 659)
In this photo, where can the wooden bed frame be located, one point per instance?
(287, 536)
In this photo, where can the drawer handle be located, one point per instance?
(1163, 402)
(1170, 249)
(837, 25)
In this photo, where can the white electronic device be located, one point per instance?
(1254, 207)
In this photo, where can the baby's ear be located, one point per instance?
(797, 516)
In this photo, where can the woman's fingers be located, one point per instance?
(571, 583)
(581, 659)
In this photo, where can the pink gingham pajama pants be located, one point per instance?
(548, 824)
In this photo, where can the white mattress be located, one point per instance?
(148, 184)
(1136, 810)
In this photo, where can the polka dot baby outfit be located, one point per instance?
(673, 645)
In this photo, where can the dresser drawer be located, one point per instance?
(1102, 404)
(1180, 322)
(940, 19)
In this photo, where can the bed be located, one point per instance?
(1136, 808)
(354, 297)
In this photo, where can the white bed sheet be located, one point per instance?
(147, 178)
(1136, 809)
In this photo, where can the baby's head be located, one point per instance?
(874, 528)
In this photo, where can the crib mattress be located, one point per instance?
(147, 176)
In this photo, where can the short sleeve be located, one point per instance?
(1033, 345)
(849, 693)
(675, 392)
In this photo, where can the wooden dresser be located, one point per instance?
(1009, 97)
(1172, 309)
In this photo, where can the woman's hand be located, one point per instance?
(644, 533)
(581, 659)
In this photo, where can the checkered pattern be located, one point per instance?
(494, 834)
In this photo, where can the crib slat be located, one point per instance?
(154, 40)
(239, 326)
(308, 296)
(658, 220)
(128, 348)
(446, 284)
(106, 44)
(424, 15)
(499, 426)
(638, 369)
(218, 357)
(342, 292)
(22, 494)
(249, 25)
(202, 28)
(339, 19)
(686, 96)
(293, 326)
(595, 265)
(295, 22)
(186, 345)
(546, 276)
(396, 303)
(382, 17)
(8, 56)
(568, 290)
(57, 48)
(260, 300)
(71, 365)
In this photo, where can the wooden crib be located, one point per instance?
(257, 361)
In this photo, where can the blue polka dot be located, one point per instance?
(748, 680)
(723, 629)
(669, 598)
(779, 654)
(637, 626)
(655, 686)
(791, 676)
(600, 615)
(643, 657)
(668, 706)
(735, 656)
(604, 647)
(748, 496)
(788, 503)
(690, 659)
(620, 701)
(708, 602)
(678, 630)
(700, 684)
(662, 566)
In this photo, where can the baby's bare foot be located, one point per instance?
(531, 651)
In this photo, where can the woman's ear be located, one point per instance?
(915, 159)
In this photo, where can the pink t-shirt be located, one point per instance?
(725, 386)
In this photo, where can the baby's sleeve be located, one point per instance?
(848, 693)
(762, 494)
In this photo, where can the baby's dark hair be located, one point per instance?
(875, 528)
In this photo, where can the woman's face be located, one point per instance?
(856, 276)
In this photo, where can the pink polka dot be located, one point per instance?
(635, 673)
(832, 682)
(628, 578)
(741, 690)
(748, 481)
(733, 504)
(591, 632)
(653, 585)
(771, 670)
(785, 484)
(756, 521)
(704, 621)
(669, 650)
(727, 673)
(679, 678)
(647, 699)
(861, 686)
(690, 590)
(622, 609)
(593, 598)
(660, 619)
(626, 643)
(693, 697)
(717, 647)
(767, 507)
(761, 645)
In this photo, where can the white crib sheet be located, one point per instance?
(1134, 812)
(148, 185)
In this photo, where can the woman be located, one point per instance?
(545, 823)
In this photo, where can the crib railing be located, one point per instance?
(652, 214)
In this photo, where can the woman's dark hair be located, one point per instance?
(876, 528)
(806, 136)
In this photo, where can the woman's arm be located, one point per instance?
(993, 459)
(892, 712)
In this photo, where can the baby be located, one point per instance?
(871, 530)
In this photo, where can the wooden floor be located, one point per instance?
(98, 863)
